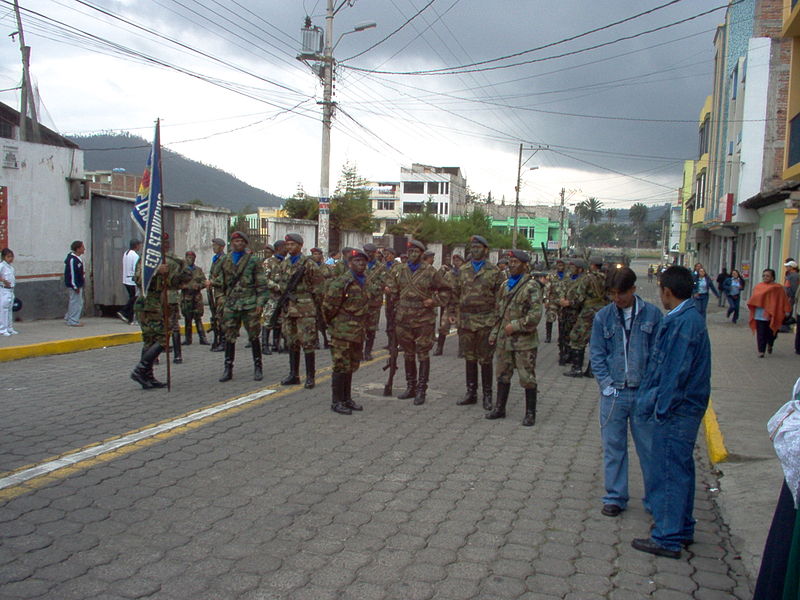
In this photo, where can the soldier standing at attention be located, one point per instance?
(555, 281)
(149, 311)
(389, 261)
(376, 273)
(587, 298)
(417, 289)
(299, 313)
(569, 313)
(515, 335)
(346, 308)
(445, 312)
(271, 265)
(269, 252)
(241, 277)
(174, 298)
(218, 246)
(477, 285)
(326, 273)
(192, 300)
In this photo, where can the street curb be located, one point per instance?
(74, 345)
(717, 452)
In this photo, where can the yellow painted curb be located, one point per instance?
(714, 441)
(74, 345)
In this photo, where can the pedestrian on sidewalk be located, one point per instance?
(129, 261)
(703, 285)
(74, 281)
(673, 397)
(768, 306)
(732, 288)
(8, 281)
(721, 279)
(623, 333)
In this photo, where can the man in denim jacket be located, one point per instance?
(622, 336)
(673, 395)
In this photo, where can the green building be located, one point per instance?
(538, 230)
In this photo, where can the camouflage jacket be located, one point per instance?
(176, 278)
(476, 295)
(248, 292)
(271, 266)
(196, 283)
(408, 291)
(346, 306)
(556, 288)
(520, 307)
(301, 301)
(212, 275)
(589, 291)
(376, 276)
(570, 290)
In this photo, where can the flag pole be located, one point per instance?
(165, 277)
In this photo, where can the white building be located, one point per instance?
(443, 189)
(384, 197)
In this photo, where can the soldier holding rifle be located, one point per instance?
(216, 300)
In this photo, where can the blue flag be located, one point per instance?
(147, 212)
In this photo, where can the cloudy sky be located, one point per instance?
(611, 95)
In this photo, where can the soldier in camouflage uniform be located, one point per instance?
(515, 336)
(417, 289)
(218, 298)
(174, 299)
(569, 314)
(588, 297)
(319, 296)
(446, 312)
(269, 252)
(149, 311)
(271, 267)
(552, 292)
(241, 278)
(192, 300)
(346, 308)
(376, 274)
(299, 313)
(477, 285)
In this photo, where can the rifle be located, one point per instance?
(546, 260)
(391, 364)
(291, 286)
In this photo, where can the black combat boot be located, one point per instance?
(337, 394)
(311, 370)
(563, 353)
(588, 372)
(150, 375)
(294, 365)
(141, 373)
(188, 327)
(215, 343)
(265, 340)
(486, 384)
(548, 331)
(530, 408)
(276, 340)
(325, 343)
(177, 357)
(230, 355)
(368, 343)
(471, 397)
(347, 388)
(499, 410)
(440, 344)
(577, 364)
(258, 373)
(422, 383)
(201, 332)
(411, 379)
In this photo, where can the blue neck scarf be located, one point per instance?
(413, 266)
(192, 267)
(477, 265)
(236, 256)
(560, 274)
(360, 279)
(295, 258)
(574, 276)
(371, 264)
(279, 256)
(513, 280)
(215, 258)
(389, 264)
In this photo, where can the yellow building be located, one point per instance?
(791, 29)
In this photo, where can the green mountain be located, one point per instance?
(185, 180)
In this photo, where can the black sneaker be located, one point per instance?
(651, 547)
(611, 510)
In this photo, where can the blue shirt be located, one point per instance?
(413, 266)
(295, 258)
(236, 256)
(513, 280)
(360, 279)
(215, 258)
(477, 265)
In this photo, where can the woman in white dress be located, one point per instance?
(7, 282)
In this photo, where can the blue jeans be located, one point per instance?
(672, 480)
(733, 307)
(701, 301)
(615, 414)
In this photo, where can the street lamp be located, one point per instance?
(515, 233)
(360, 27)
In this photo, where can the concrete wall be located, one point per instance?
(354, 239)
(195, 227)
(42, 223)
(279, 227)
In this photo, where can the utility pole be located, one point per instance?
(516, 201)
(26, 88)
(323, 235)
(561, 237)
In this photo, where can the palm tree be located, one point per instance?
(594, 210)
(611, 213)
(638, 215)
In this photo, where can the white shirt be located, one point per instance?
(7, 274)
(129, 267)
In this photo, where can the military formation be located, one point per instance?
(285, 301)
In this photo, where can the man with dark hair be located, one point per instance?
(623, 333)
(217, 295)
(673, 396)
(74, 281)
(129, 261)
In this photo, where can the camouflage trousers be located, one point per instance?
(582, 329)
(475, 345)
(522, 360)
(219, 307)
(566, 320)
(416, 340)
(373, 318)
(551, 314)
(175, 318)
(192, 306)
(444, 321)
(232, 321)
(152, 324)
(269, 308)
(345, 355)
(300, 333)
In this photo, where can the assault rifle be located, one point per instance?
(294, 281)
(391, 364)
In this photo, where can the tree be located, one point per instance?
(351, 207)
(301, 206)
(638, 215)
(593, 210)
(611, 214)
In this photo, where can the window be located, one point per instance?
(794, 141)
(414, 187)
(734, 83)
(412, 207)
(704, 130)
(6, 129)
(446, 187)
(700, 190)
(385, 204)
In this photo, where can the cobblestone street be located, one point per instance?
(281, 498)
